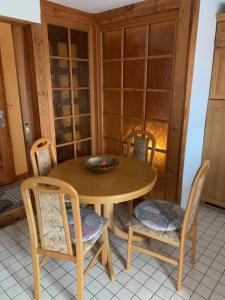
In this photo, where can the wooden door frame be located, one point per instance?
(7, 148)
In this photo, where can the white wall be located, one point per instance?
(28, 10)
(200, 91)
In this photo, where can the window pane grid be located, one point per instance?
(69, 59)
(137, 86)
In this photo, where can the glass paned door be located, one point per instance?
(137, 71)
(69, 61)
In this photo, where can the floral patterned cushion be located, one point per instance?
(140, 148)
(92, 224)
(89, 244)
(54, 237)
(159, 215)
(44, 162)
(171, 236)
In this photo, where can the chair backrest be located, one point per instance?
(141, 145)
(195, 196)
(51, 231)
(43, 157)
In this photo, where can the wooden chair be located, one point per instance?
(52, 235)
(43, 156)
(141, 145)
(175, 238)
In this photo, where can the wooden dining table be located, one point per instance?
(129, 180)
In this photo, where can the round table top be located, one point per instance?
(129, 180)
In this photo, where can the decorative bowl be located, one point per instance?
(101, 164)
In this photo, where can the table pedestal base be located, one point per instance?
(108, 212)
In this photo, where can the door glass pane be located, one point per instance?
(112, 127)
(161, 38)
(83, 127)
(60, 73)
(160, 73)
(130, 124)
(81, 101)
(64, 131)
(112, 74)
(112, 102)
(112, 44)
(65, 153)
(135, 38)
(80, 71)
(58, 41)
(83, 148)
(79, 44)
(160, 163)
(134, 73)
(133, 103)
(160, 132)
(158, 105)
(62, 103)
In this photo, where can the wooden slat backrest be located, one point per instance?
(53, 229)
(195, 196)
(43, 157)
(145, 140)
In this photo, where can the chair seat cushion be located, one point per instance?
(92, 224)
(159, 215)
(170, 236)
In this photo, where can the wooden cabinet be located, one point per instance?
(218, 75)
(214, 148)
(220, 33)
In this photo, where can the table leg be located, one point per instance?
(107, 210)
(108, 213)
(97, 208)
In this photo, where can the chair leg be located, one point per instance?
(109, 257)
(36, 274)
(180, 266)
(129, 244)
(193, 240)
(80, 279)
(105, 247)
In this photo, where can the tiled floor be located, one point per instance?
(147, 279)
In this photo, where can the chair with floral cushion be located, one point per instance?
(62, 234)
(141, 146)
(43, 157)
(168, 223)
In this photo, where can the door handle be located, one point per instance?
(2, 119)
